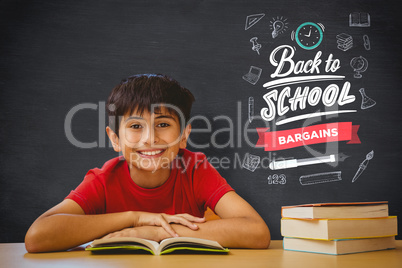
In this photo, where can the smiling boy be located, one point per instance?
(157, 188)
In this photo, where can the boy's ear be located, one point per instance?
(184, 137)
(114, 139)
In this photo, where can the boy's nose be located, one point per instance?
(149, 137)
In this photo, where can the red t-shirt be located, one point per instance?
(193, 185)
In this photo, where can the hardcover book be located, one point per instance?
(337, 210)
(338, 247)
(330, 229)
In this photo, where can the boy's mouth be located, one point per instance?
(151, 153)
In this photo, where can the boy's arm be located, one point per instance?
(240, 226)
(66, 226)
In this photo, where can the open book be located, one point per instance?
(118, 244)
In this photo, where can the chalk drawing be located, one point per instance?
(250, 109)
(277, 179)
(342, 157)
(251, 20)
(359, 19)
(366, 101)
(359, 65)
(256, 47)
(344, 41)
(292, 163)
(253, 75)
(366, 42)
(320, 178)
(311, 115)
(278, 26)
(251, 162)
(363, 165)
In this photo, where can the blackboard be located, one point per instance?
(60, 60)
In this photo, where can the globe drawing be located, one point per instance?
(359, 65)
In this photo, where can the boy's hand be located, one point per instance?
(154, 233)
(163, 220)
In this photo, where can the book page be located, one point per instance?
(187, 242)
(125, 241)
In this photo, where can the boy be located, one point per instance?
(156, 189)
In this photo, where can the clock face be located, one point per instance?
(309, 35)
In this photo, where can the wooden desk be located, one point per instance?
(15, 255)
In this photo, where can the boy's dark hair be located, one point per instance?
(139, 92)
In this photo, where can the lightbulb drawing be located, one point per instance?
(278, 25)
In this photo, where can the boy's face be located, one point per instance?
(150, 141)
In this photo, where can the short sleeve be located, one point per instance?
(90, 194)
(209, 185)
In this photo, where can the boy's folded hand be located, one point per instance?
(163, 220)
(154, 233)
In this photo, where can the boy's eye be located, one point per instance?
(163, 125)
(136, 126)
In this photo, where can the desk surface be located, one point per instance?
(15, 255)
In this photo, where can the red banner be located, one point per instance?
(324, 133)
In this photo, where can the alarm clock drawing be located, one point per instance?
(309, 35)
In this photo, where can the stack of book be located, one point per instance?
(345, 41)
(338, 228)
